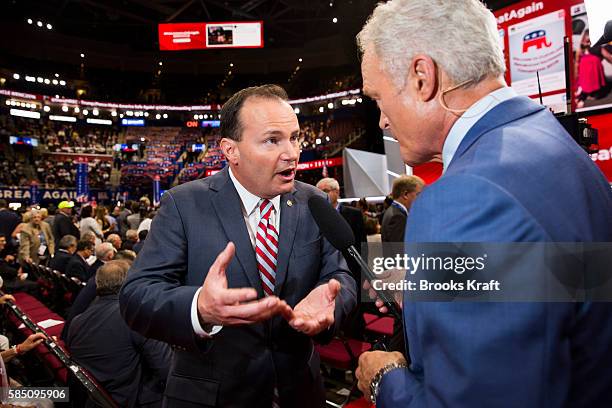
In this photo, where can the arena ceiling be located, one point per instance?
(123, 33)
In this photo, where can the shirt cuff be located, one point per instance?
(195, 321)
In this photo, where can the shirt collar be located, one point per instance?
(400, 205)
(469, 118)
(249, 200)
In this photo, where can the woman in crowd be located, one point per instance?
(89, 224)
(102, 220)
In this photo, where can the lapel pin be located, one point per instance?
(289, 203)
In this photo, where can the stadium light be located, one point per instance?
(297, 111)
(165, 115)
(195, 117)
(330, 105)
(146, 114)
(47, 81)
(160, 63)
(158, 116)
(16, 76)
(64, 108)
(113, 113)
(318, 141)
(49, 26)
(29, 20)
(39, 23)
(85, 112)
(46, 108)
(129, 113)
(39, 79)
(334, 20)
(231, 64)
(205, 116)
(56, 75)
(55, 82)
(300, 60)
(30, 78)
(62, 82)
(321, 109)
(76, 109)
(60, 118)
(121, 115)
(95, 112)
(25, 114)
(82, 55)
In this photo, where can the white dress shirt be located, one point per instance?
(249, 203)
(469, 118)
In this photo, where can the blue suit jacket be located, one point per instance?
(240, 365)
(516, 176)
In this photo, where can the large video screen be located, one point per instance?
(532, 34)
(195, 36)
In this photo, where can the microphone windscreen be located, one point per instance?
(332, 225)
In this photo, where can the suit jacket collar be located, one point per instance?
(226, 203)
(506, 112)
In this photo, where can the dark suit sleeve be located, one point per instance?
(462, 360)
(154, 300)
(334, 267)
(156, 357)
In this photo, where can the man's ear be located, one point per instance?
(229, 147)
(423, 77)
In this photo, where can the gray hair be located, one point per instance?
(461, 36)
(112, 238)
(104, 250)
(131, 234)
(110, 277)
(328, 181)
(67, 241)
(88, 236)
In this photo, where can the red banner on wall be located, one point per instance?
(318, 164)
(603, 158)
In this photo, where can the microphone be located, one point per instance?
(338, 232)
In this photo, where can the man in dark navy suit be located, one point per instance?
(78, 267)
(66, 247)
(132, 368)
(271, 281)
(511, 173)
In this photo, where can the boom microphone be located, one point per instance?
(338, 232)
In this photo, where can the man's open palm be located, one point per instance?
(315, 312)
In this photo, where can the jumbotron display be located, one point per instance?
(197, 36)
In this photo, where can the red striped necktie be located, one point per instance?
(266, 251)
(266, 247)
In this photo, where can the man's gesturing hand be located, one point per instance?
(219, 305)
(315, 312)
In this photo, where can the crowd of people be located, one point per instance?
(62, 138)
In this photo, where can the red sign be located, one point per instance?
(197, 36)
(603, 157)
(318, 164)
(192, 123)
(182, 36)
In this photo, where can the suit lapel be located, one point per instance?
(226, 203)
(506, 112)
(288, 226)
